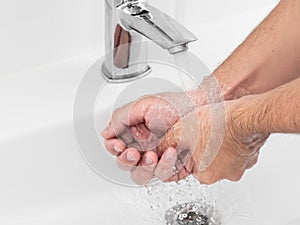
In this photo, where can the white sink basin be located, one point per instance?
(45, 180)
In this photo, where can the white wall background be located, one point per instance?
(38, 32)
(195, 11)
(168, 6)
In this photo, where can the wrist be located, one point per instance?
(249, 115)
(277, 111)
(210, 91)
(224, 85)
(234, 84)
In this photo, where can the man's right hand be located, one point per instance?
(135, 131)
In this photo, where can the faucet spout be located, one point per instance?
(156, 26)
(128, 22)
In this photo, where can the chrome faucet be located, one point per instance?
(127, 23)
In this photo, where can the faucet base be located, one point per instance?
(124, 78)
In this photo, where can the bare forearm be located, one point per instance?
(268, 58)
(277, 111)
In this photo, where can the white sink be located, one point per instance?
(45, 180)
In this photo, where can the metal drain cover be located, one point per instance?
(192, 213)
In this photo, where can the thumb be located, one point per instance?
(183, 136)
(170, 139)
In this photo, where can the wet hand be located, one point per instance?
(213, 142)
(136, 129)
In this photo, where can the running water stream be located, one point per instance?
(185, 70)
(186, 202)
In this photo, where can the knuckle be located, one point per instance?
(115, 114)
(236, 176)
(207, 181)
(208, 177)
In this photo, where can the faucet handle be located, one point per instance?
(133, 7)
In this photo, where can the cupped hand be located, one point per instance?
(136, 129)
(219, 140)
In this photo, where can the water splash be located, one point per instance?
(158, 197)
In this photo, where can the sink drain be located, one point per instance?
(192, 213)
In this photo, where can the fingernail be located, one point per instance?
(169, 155)
(117, 149)
(130, 157)
(148, 160)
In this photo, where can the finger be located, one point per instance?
(134, 145)
(184, 157)
(165, 167)
(143, 173)
(236, 172)
(128, 159)
(182, 174)
(114, 146)
(171, 139)
(189, 167)
(236, 176)
(185, 171)
(126, 136)
(145, 139)
(252, 161)
(173, 178)
(140, 132)
(128, 115)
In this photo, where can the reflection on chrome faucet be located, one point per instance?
(128, 22)
(122, 41)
